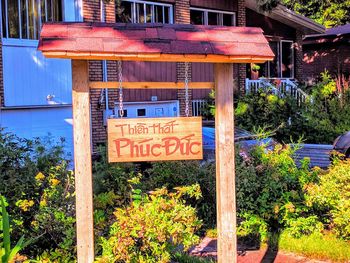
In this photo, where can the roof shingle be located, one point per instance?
(118, 40)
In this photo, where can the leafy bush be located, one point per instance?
(331, 197)
(6, 253)
(264, 109)
(271, 194)
(322, 118)
(302, 226)
(180, 173)
(40, 192)
(153, 228)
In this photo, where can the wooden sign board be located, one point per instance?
(156, 139)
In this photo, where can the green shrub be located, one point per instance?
(322, 118)
(152, 229)
(264, 109)
(180, 173)
(331, 197)
(40, 190)
(8, 254)
(302, 226)
(252, 229)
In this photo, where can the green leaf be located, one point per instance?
(6, 230)
(16, 249)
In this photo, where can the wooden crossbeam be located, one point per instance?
(150, 85)
(157, 57)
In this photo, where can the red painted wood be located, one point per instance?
(152, 72)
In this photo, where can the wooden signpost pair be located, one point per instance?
(177, 138)
(156, 139)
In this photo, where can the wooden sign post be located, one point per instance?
(156, 139)
(82, 161)
(225, 163)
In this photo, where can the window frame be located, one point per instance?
(220, 12)
(281, 58)
(279, 55)
(133, 10)
(24, 41)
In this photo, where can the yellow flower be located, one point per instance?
(40, 176)
(54, 182)
(290, 207)
(43, 203)
(35, 224)
(25, 204)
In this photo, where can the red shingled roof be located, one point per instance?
(155, 42)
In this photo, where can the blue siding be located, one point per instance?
(29, 77)
(31, 123)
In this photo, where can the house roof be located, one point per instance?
(154, 42)
(289, 17)
(339, 34)
(339, 30)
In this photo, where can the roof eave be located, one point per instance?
(288, 17)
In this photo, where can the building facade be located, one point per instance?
(327, 52)
(36, 92)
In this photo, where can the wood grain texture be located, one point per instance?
(151, 85)
(157, 57)
(82, 161)
(156, 139)
(225, 163)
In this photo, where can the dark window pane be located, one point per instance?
(140, 13)
(287, 60)
(158, 14)
(197, 17)
(57, 10)
(43, 11)
(13, 22)
(123, 12)
(3, 15)
(213, 19)
(24, 17)
(31, 18)
(125, 113)
(149, 13)
(49, 8)
(141, 112)
(227, 20)
(274, 65)
(166, 15)
(37, 19)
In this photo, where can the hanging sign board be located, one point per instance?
(156, 139)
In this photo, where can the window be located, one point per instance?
(141, 112)
(212, 17)
(283, 64)
(22, 19)
(129, 11)
(287, 59)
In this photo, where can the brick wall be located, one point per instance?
(92, 13)
(299, 55)
(334, 57)
(182, 16)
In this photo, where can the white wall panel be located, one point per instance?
(29, 77)
(31, 123)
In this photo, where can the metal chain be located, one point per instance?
(120, 78)
(187, 108)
